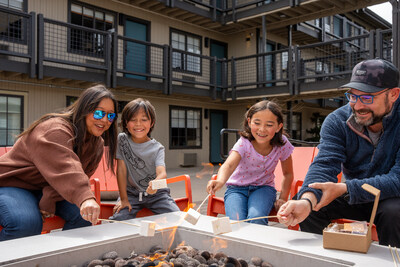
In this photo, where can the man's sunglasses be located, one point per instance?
(99, 114)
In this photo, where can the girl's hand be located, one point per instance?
(90, 210)
(213, 186)
(149, 190)
(122, 204)
(278, 203)
(46, 214)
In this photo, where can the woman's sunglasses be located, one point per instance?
(99, 114)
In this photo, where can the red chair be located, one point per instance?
(183, 203)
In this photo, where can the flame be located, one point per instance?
(208, 169)
(217, 244)
(189, 206)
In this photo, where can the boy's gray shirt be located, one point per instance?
(141, 160)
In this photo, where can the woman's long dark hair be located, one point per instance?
(263, 105)
(76, 114)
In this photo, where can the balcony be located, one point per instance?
(67, 53)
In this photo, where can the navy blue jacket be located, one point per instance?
(345, 146)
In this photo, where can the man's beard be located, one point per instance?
(374, 118)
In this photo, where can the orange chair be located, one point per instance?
(183, 203)
(302, 158)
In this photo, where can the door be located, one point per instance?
(269, 63)
(136, 54)
(219, 50)
(218, 121)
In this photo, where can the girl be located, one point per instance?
(47, 171)
(249, 169)
(140, 159)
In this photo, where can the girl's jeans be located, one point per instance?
(245, 202)
(20, 215)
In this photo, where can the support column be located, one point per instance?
(395, 31)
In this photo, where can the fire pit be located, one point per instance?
(280, 247)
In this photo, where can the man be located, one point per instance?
(362, 139)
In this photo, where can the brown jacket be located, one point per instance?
(45, 160)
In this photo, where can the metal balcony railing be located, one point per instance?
(75, 52)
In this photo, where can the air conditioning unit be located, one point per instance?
(187, 159)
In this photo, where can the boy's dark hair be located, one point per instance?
(133, 107)
(260, 106)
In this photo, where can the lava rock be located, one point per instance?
(155, 248)
(152, 263)
(242, 262)
(220, 255)
(206, 255)
(229, 265)
(257, 261)
(201, 259)
(233, 261)
(109, 262)
(120, 263)
(266, 264)
(110, 255)
(94, 263)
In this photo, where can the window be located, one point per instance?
(338, 26)
(13, 27)
(185, 130)
(14, 4)
(11, 118)
(189, 43)
(93, 18)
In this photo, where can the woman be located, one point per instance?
(47, 171)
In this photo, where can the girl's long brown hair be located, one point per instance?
(76, 114)
(260, 106)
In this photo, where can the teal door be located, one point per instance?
(136, 54)
(219, 50)
(218, 121)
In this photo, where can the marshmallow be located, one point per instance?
(221, 225)
(147, 228)
(158, 184)
(192, 216)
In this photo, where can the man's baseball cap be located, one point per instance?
(373, 75)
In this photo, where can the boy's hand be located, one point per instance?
(122, 204)
(149, 190)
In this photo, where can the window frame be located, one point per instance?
(92, 53)
(21, 117)
(171, 108)
(184, 59)
(23, 28)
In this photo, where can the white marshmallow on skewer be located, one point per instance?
(221, 226)
(147, 228)
(192, 216)
(158, 184)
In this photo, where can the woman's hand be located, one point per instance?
(46, 214)
(122, 204)
(213, 186)
(90, 210)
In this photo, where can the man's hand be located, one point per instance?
(294, 212)
(330, 191)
